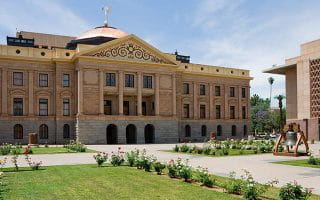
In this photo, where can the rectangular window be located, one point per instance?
(66, 80)
(43, 80)
(186, 88)
(186, 110)
(232, 112)
(218, 111)
(43, 107)
(232, 92)
(110, 79)
(217, 91)
(244, 112)
(129, 80)
(202, 89)
(147, 82)
(107, 107)
(18, 78)
(17, 106)
(66, 107)
(144, 108)
(126, 107)
(243, 92)
(202, 111)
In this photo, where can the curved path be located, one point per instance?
(260, 166)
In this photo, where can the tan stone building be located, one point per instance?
(107, 86)
(303, 88)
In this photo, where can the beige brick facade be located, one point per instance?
(99, 112)
(303, 88)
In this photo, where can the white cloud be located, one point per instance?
(39, 16)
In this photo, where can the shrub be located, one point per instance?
(184, 170)
(313, 161)
(225, 151)
(280, 149)
(262, 149)
(172, 169)
(132, 157)
(241, 151)
(101, 158)
(16, 149)
(5, 149)
(28, 150)
(251, 189)
(199, 150)
(32, 165)
(232, 185)
(206, 150)
(158, 167)
(176, 148)
(75, 146)
(184, 148)
(312, 141)
(213, 152)
(144, 161)
(117, 158)
(204, 177)
(294, 191)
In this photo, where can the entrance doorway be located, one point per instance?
(149, 134)
(131, 134)
(112, 134)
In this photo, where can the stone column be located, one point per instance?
(101, 97)
(30, 96)
(80, 92)
(174, 96)
(139, 96)
(239, 102)
(226, 104)
(195, 101)
(211, 109)
(120, 92)
(157, 95)
(4, 91)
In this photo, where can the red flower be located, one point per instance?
(26, 152)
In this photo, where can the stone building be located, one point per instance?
(302, 75)
(107, 87)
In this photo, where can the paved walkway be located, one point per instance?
(260, 166)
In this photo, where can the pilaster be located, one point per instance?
(157, 95)
(120, 92)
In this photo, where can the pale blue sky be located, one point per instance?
(250, 34)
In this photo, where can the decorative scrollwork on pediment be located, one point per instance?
(130, 51)
(17, 91)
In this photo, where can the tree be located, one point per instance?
(261, 120)
(280, 98)
(271, 81)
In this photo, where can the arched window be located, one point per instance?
(66, 131)
(187, 131)
(233, 130)
(43, 131)
(203, 130)
(245, 130)
(18, 131)
(219, 130)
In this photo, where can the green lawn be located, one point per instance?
(54, 150)
(301, 163)
(92, 182)
(232, 152)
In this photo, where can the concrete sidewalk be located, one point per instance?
(260, 166)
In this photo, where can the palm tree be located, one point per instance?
(271, 81)
(280, 98)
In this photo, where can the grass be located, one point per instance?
(232, 152)
(92, 182)
(54, 150)
(301, 163)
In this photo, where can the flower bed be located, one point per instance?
(227, 147)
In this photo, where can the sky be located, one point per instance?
(248, 34)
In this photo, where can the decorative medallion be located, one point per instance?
(129, 51)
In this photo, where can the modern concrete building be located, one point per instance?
(107, 86)
(303, 88)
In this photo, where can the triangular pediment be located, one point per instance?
(129, 48)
